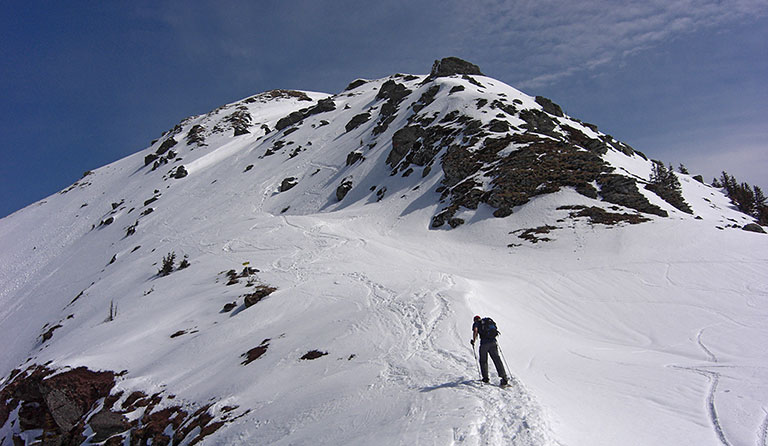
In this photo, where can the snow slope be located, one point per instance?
(631, 334)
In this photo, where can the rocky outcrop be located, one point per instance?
(343, 189)
(539, 165)
(549, 106)
(166, 145)
(180, 172)
(427, 98)
(239, 121)
(394, 93)
(623, 190)
(356, 83)
(322, 106)
(259, 292)
(580, 139)
(76, 406)
(357, 121)
(287, 184)
(453, 65)
(196, 135)
(403, 141)
(538, 122)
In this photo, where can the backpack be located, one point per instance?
(487, 329)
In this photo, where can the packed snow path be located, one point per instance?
(425, 368)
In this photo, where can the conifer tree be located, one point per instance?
(665, 184)
(168, 264)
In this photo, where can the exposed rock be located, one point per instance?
(56, 403)
(49, 334)
(427, 98)
(533, 234)
(289, 120)
(343, 189)
(420, 145)
(313, 354)
(456, 89)
(538, 121)
(159, 162)
(259, 293)
(69, 395)
(392, 91)
(403, 141)
(354, 157)
(623, 191)
(288, 183)
(598, 215)
(620, 146)
(498, 126)
(356, 83)
(279, 94)
(239, 121)
(453, 65)
(472, 81)
(106, 424)
(322, 106)
(541, 166)
(754, 227)
(506, 108)
(256, 352)
(166, 145)
(357, 121)
(549, 106)
(180, 172)
(196, 135)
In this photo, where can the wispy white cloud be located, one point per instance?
(544, 41)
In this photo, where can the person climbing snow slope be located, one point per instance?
(486, 329)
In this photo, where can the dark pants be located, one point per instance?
(490, 348)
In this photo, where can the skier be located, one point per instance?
(486, 330)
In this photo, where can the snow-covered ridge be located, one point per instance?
(325, 301)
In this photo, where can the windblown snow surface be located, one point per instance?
(644, 334)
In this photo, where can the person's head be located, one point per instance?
(477, 318)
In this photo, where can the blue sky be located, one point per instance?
(83, 84)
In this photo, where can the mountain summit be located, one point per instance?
(303, 268)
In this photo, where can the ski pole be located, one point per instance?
(476, 361)
(509, 371)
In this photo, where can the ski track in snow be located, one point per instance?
(762, 439)
(714, 380)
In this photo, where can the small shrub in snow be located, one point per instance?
(168, 264)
